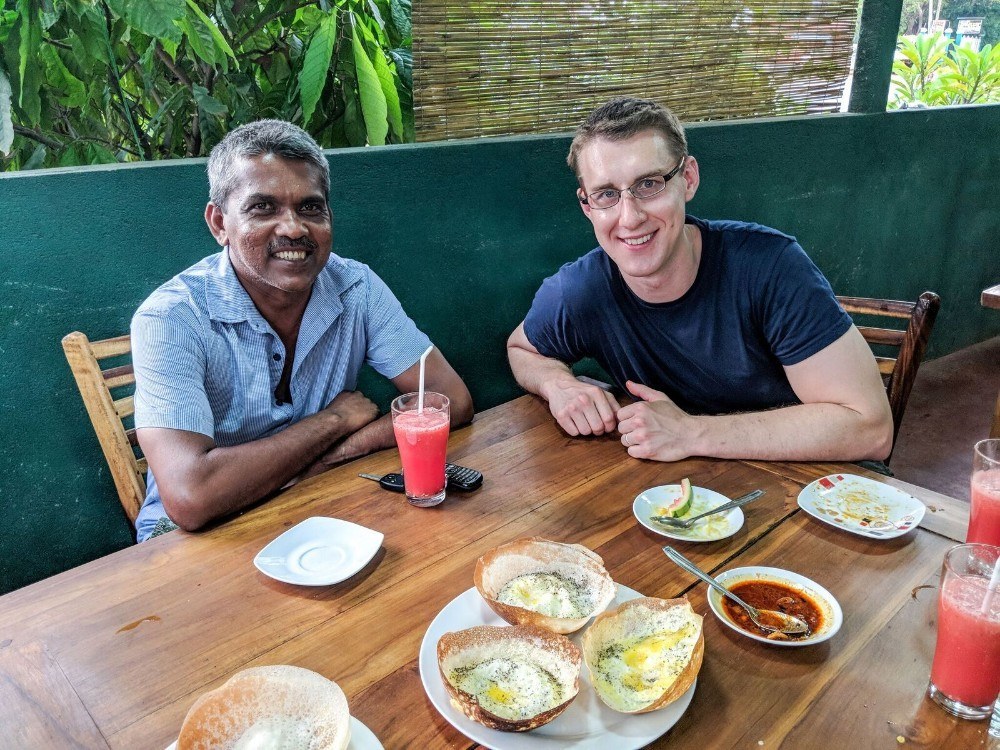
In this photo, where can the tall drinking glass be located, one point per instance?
(984, 513)
(965, 674)
(422, 437)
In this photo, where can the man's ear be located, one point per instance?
(216, 221)
(585, 207)
(692, 178)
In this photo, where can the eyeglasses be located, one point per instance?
(647, 187)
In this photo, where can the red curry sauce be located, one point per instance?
(776, 596)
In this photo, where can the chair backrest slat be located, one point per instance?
(887, 336)
(898, 373)
(125, 407)
(127, 471)
(886, 365)
(115, 347)
(886, 307)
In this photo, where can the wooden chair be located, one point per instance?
(106, 413)
(899, 372)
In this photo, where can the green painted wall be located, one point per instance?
(887, 204)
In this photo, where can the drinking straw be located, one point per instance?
(992, 587)
(420, 393)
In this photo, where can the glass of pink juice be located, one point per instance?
(984, 511)
(422, 437)
(965, 674)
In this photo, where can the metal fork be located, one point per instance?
(687, 523)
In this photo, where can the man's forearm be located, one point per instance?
(535, 373)
(371, 438)
(211, 481)
(804, 432)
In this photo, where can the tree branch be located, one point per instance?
(172, 66)
(266, 20)
(36, 136)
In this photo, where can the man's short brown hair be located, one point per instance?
(622, 118)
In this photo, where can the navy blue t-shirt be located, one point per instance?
(757, 303)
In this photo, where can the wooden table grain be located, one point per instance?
(112, 654)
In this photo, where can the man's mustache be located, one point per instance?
(285, 244)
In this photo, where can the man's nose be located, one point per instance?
(290, 224)
(630, 211)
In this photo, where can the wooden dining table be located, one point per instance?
(113, 653)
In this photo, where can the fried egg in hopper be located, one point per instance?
(535, 581)
(645, 654)
(274, 707)
(513, 679)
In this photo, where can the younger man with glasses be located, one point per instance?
(728, 336)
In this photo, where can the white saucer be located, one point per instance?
(649, 502)
(833, 616)
(362, 738)
(588, 724)
(862, 506)
(319, 552)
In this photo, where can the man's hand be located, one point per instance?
(354, 408)
(655, 427)
(580, 408)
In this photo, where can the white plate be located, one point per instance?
(651, 502)
(318, 552)
(861, 506)
(588, 724)
(362, 738)
(833, 616)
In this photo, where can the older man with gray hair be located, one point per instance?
(246, 363)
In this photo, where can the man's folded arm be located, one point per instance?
(844, 416)
(200, 481)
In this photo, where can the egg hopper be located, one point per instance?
(588, 724)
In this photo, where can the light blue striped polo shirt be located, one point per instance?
(206, 360)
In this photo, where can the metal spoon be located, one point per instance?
(687, 523)
(765, 619)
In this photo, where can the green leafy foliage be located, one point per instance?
(96, 81)
(930, 71)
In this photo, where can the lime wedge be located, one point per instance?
(681, 505)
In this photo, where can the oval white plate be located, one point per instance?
(649, 502)
(861, 506)
(588, 724)
(833, 616)
(319, 552)
(362, 738)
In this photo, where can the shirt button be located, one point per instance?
(277, 357)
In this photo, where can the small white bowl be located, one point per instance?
(833, 616)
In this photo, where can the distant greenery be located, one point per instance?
(915, 12)
(931, 71)
(92, 81)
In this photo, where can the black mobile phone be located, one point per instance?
(463, 478)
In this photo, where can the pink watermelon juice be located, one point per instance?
(984, 514)
(423, 443)
(966, 665)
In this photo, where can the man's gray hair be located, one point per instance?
(255, 139)
(622, 118)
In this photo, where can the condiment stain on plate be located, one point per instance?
(652, 502)
(861, 506)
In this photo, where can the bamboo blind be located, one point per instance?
(488, 67)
